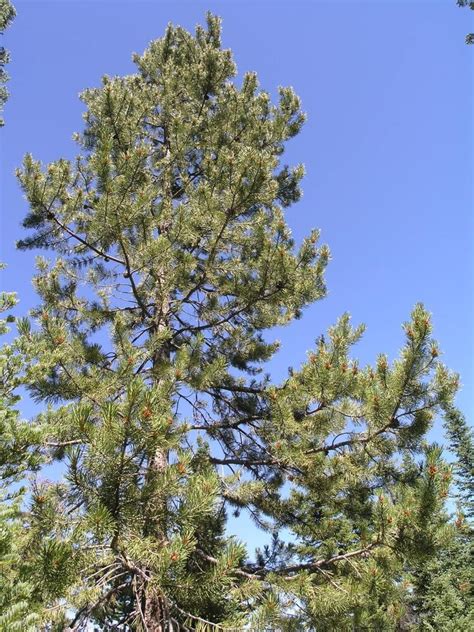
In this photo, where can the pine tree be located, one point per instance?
(461, 444)
(16, 592)
(172, 259)
(7, 13)
(445, 583)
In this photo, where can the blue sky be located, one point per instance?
(388, 146)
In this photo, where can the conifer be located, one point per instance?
(16, 602)
(7, 13)
(171, 261)
(444, 596)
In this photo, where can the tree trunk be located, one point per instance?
(156, 617)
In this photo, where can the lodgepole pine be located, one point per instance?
(171, 259)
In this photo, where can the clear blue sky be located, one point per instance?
(388, 145)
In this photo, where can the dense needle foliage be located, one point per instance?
(7, 13)
(171, 260)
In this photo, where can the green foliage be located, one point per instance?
(16, 594)
(17, 610)
(461, 443)
(444, 594)
(172, 259)
(7, 13)
(16, 436)
(444, 585)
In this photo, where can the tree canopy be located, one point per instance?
(7, 13)
(171, 261)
